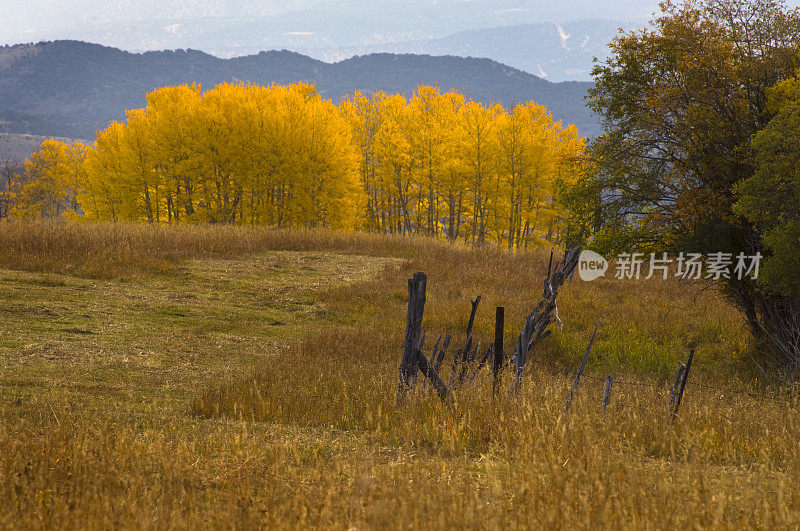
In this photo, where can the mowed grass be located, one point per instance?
(156, 337)
(244, 377)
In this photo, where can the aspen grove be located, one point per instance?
(436, 164)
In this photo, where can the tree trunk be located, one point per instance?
(773, 320)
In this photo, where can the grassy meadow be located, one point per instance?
(219, 376)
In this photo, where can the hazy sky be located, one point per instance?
(48, 19)
(555, 39)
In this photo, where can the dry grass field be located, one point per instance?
(240, 377)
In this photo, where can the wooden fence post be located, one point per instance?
(607, 392)
(432, 376)
(457, 376)
(432, 360)
(499, 354)
(409, 364)
(521, 352)
(577, 380)
(683, 385)
(437, 363)
(471, 323)
(676, 385)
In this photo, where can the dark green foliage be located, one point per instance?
(771, 199)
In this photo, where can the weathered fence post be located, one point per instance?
(437, 364)
(432, 376)
(683, 385)
(676, 385)
(547, 286)
(499, 354)
(471, 323)
(409, 363)
(521, 352)
(432, 361)
(457, 376)
(577, 380)
(607, 392)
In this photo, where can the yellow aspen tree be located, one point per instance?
(76, 156)
(290, 181)
(570, 166)
(479, 151)
(120, 180)
(103, 196)
(337, 195)
(510, 168)
(396, 161)
(430, 110)
(221, 136)
(272, 139)
(172, 112)
(363, 115)
(50, 182)
(138, 150)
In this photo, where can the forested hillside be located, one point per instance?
(71, 88)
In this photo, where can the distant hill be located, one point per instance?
(554, 51)
(237, 28)
(16, 147)
(73, 88)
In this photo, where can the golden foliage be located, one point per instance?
(435, 164)
(440, 165)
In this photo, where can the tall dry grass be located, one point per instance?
(105, 250)
(312, 438)
(502, 460)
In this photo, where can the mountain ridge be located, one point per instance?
(73, 88)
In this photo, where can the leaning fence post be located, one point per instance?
(432, 360)
(471, 323)
(683, 385)
(577, 380)
(432, 376)
(673, 392)
(607, 392)
(521, 352)
(437, 364)
(409, 363)
(458, 378)
(497, 361)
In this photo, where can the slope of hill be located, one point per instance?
(72, 88)
(555, 51)
(16, 147)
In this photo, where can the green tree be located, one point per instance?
(680, 103)
(770, 198)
